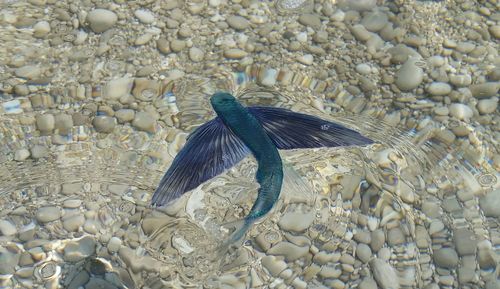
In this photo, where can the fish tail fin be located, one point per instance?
(240, 228)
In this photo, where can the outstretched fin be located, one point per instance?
(292, 130)
(210, 150)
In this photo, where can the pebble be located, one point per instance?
(21, 154)
(78, 250)
(144, 121)
(41, 29)
(196, 54)
(377, 240)
(375, 21)
(495, 31)
(28, 72)
(117, 88)
(487, 106)
(125, 115)
(290, 251)
(143, 39)
(39, 151)
(460, 80)
(145, 16)
(273, 265)
(114, 244)
(48, 214)
(234, 53)
(409, 76)
(368, 283)
(363, 68)
(330, 272)
(485, 90)
(460, 111)
(103, 123)
(465, 241)
(177, 45)
(384, 274)
(363, 252)
(306, 59)
(63, 123)
(395, 236)
(101, 20)
(446, 258)
(163, 45)
(9, 259)
(7, 228)
(311, 20)
(439, 88)
(237, 22)
(45, 122)
(73, 223)
(296, 222)
(490, 204)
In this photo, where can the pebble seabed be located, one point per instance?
(97, 97)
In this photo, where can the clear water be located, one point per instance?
(409, 183)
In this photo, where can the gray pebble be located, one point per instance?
(101, 20)
(363, 237)
(320, 37)
(21, 155)
(395, 236)
(144, 16)
(7, 228)
(45, 122)
(384, 274)
(409, 76)
(234, 53)
(9, 259)
(78, 250)
(144, 121)
(461, 111)
(439, 88)
(237, 22)
(196, 54)
(360, 32)
(39, 151)
(375, 21)
(446, 258)
(368, 283)
(377, 240)
(41, 29)
(465, 241)
(363, 252)
(163, 45)
(48, 214)
(114, 244)
(104, 124)
(28, 72)
(311, 20)
(484, 90)
(73, 223)
(125, 115)
(460, 80)
(177, 45)
(63, 123)
(487, 106)
(490, 204)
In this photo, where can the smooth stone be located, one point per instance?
(73, 223)
(78, 250)
(296, 222)
(495, 31)
(7, 228)
(395, 236)
(290, 251)
(234, 53)
(446, 258)
(269, 78)
(485, 90)
(384, 274)
(28, 72)
(143, 39)
(103, 123)
(359, 5)
(48, 214)
(41, 29)
(237, 22)
(330, 272)
(363, 68)
(320, 37)
(439, 88)
(306, 59)
(144, 121)
(461, 111)
(460, 80)
(63, 123)
(117, 88)
(323, 257)
(375, 21)
(72, 203)
(487, 106)
(163, 45)
(360, 32)
(101, 20)
(114, 244)
(9, 259)
(363, 252)
(39, 151)
(273, 265)
(490, 204)
(45, 122)
(21, 155)
(465, 241)
(311, 20)
(409, 76)
(377, 240)
(465, 275)
(177, 45)
(368, 283)
(196, 54)
(125, 115)
(145, 16)
(363, 237)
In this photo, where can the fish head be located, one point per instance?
(222, 100)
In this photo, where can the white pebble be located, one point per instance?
(363, 68)
(460, 111)
(114, 244)
(7, 228)
(439, 88)
(144, 16)
(486, 106)
(306, 59)
(301, 37)
(101, 20)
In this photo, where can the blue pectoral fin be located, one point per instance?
(210, 150)
(292, 130)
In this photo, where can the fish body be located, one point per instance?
(238, 131)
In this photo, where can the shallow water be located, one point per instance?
(410, 211)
